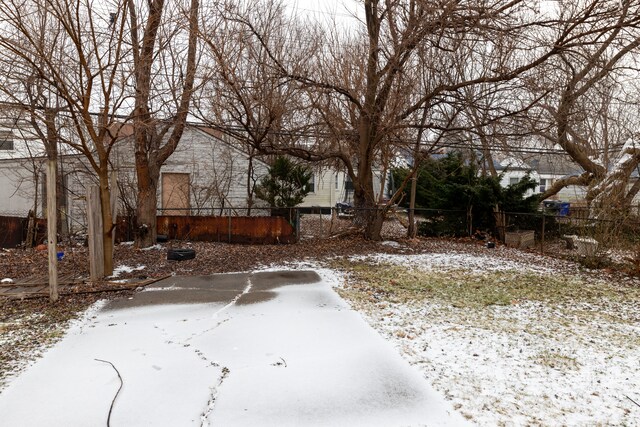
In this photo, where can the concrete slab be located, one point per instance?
(264, 355)
(267, 280)
(221, 288)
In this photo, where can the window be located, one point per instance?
(6, 140)
(348, 184)
(311, 186)
(543, 184)
(514, 181)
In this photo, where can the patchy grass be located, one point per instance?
(475, 289)
(556, 360)
(509, 346)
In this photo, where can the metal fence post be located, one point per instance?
(542, 236)
(229, 217)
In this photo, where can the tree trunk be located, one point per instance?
(107, 222)
(412, 231)
(374, 224)
(367, 211)
(146, 214)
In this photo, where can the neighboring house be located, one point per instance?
(17, 141)
(23, 188)
(205, 175)
(545, 169)
(22, 168)
(330, 187)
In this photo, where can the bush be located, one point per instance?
(453, 184)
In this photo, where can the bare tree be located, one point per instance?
(357, 82)
(164, 67)
(65, 59)
(244, 98)
(591, 89)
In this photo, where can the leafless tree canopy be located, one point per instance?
(406, 77)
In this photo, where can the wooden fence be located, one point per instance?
(230, 229)
(13, 231)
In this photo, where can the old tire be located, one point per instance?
(181, 254)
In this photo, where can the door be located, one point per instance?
(175, 194)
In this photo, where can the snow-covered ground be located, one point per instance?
(248, 351)
(541, 358)
(574, 361)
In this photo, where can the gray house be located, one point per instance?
(205, 175)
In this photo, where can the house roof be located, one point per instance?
(555, 165)
(543, 164)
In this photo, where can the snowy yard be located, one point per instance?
(508, 337)
(511, 338)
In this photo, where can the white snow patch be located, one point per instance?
(391, 243)
(6, 281)
(126, 269)
(455, 261)
(151, 248)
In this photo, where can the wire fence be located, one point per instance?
(547, 230)
(547, 224)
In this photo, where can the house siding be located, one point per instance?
(217, 172)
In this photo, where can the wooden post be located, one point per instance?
(31, 229)
(94, 231)
(113, 197)
(52, 223)
(52, 206)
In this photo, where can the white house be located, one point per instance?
(205, 175)
(330, 187)
(545, 169)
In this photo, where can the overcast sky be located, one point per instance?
(342, 11)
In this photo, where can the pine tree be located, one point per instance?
(285, 185)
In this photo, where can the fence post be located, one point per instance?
(229, 216)
(542, 236)
(94, 232)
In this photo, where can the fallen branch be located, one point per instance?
(351, 231)
(63, 291)
(117, 392)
